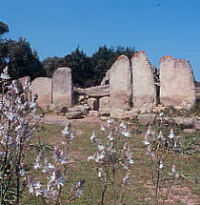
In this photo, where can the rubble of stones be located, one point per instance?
(132, 88)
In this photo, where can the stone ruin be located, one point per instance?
(120, 86)
(143, 83)
(129, 87)
(177, 86)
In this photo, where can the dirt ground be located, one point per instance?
(62, 120)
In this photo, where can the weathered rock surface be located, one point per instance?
(147, 119)
(104, 102)
(117, 113)
(189, 131)
(93, 103)
(97, 91)
(197, 125)
(177, 86)
(131, 114)
(93, 113)
(120, 85)
(104, 111)
(106, 79)
(43, 88)
(84, 109)
(77, 114)
(53, 107)
(62, 86)
(144, 90)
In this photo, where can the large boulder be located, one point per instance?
(177, 86)
(62, 86)
(120, 85)
(83, 108)
(144, 90)
(43, 88)
(76, 114)
(147, 119)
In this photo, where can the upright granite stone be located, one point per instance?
(177, 86)
(144, 90)
(62, 86)
(43, 88)
(120, 85)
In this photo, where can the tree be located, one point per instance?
(105, 57)
(81, 66)
(50, 64)
(3, 28)
(19, 56)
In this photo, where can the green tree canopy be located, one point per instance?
(87, 71)
(3, 28)
(19, 56)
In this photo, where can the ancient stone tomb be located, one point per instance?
(128, 88)
(177, 86)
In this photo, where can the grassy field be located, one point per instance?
(186, 190)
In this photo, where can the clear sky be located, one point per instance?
(55, 28)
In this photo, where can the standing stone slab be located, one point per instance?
(120, 84)
(62, 86)
(177, 86)
(93, 103)
(144, 90)
(43, 88)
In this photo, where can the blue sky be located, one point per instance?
(160, 27)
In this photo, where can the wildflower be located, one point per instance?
(47, 166)
(100, 172)
(50, 193)
(34, 187)
(161, 114)
(149, 151)
(101, 147)
(125, 180)
(123, 125)
(37, 163)
(111, 136)
(67, 134)
(161, 164)
(149, 131)
(102, 128)
(91, 157)
(59, 156)
(93, 137)
(160, 136)
(5, 74)
(146, 142)
(126, 134)
(171, 135)
(79, 188)
(110, 121)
